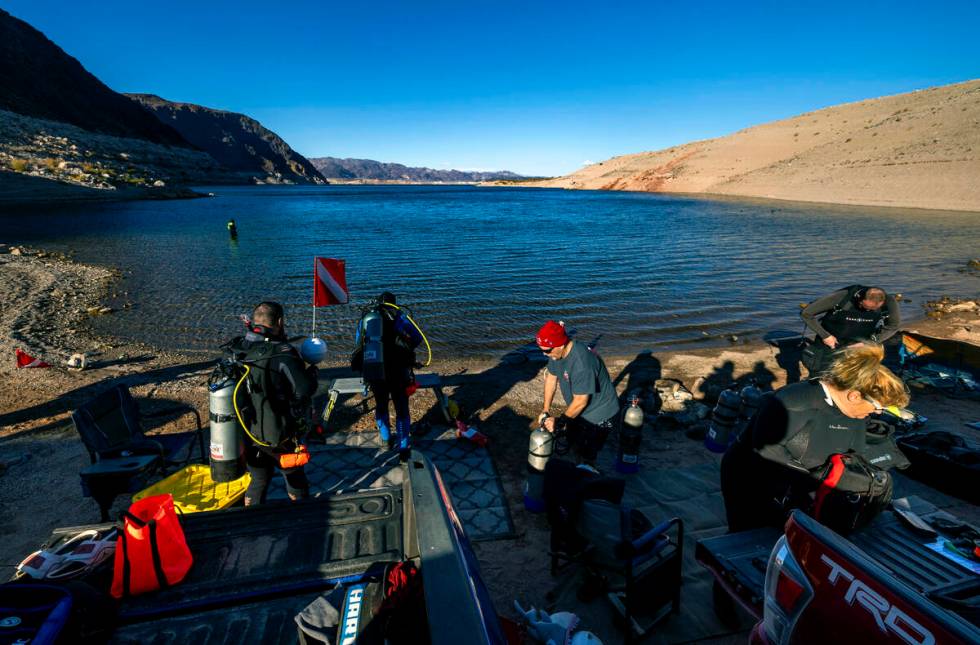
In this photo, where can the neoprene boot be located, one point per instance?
(404, 427)
(384, 429)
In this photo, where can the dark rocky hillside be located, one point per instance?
(238, 142)
(368, 169)
(38, 79)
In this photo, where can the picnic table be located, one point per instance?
(356, 385)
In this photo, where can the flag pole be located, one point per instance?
(314, 297)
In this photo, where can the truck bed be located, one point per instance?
(277, 548)
(739, 561)
(256, 568)
(263, 621)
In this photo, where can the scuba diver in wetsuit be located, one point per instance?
(851, 315)
(273, 403)
(386, 339)
(778, 461)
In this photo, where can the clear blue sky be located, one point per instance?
(534, 87)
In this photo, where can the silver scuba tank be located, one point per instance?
(539, 451)
(227, 450)
(630, 436)
(374, 361)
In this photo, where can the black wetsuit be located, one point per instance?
(844, 319)
(779, 459)
(281, 389)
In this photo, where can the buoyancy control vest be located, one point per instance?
(849, 323)
(797, 428)
(399, 338)
(274, 398)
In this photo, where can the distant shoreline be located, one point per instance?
(17, 190)
(24, 191)
(757, 199)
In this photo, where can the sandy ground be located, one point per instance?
(44, 302)
(916, 150)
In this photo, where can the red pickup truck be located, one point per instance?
(882, 585)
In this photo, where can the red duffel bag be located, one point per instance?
(151, 552)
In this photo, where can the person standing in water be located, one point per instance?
(232, 229)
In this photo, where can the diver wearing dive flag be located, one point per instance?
(854, 314)
(385, 341)
(592, 404)
(272, 403)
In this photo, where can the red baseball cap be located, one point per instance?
(551, 335)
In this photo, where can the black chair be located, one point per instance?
(123, 457)
(636, 563)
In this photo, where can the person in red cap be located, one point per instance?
(592, 404)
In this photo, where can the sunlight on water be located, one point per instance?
(483, 268)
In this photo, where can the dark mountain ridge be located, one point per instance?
(237, 141)
(353, 169)
(38, 79)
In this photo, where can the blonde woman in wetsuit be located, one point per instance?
(777, 461)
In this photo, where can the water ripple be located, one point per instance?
(482, 268)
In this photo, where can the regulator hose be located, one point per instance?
(234, 403)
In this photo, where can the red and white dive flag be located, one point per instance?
(329, 282)
(26, 360)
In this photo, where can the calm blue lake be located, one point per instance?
(482, 268)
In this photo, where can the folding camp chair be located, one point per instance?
(122, 456)
(637, 563)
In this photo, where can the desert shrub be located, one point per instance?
(51, 163)
(18, 165)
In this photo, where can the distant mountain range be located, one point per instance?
(236, 141)
(368, 169)
(59, 124)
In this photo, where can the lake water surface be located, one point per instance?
(482, 268)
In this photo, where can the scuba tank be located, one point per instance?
(723, 420)
(227, 450)
(630, 434)
(751, 397)
(373, 368)
(540, 448)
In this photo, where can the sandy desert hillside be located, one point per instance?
(920, 149)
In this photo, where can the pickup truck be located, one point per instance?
(807, 584)
(255, 569)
